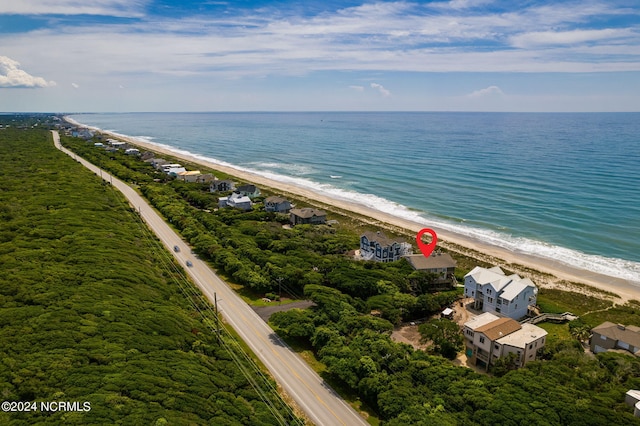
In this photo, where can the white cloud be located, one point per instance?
(12, 76)
(120, 8)
(460, 4)
(75, 85)
(489, 91)
(541, 38)
(380, 88)
(357, 88)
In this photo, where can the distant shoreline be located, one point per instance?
(536, 268)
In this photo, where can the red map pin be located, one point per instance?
(427, 249)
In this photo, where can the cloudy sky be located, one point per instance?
(264, 55)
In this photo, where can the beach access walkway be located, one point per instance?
(321, 404)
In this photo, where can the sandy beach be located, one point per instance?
(544, 272)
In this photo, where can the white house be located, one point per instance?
(489, 338)
(494, 291)
(235, 200)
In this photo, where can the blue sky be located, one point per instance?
(458, 55)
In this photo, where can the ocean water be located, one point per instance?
(562, 186)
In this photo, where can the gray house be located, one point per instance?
(441, 264)
(222, 185)
(609, 336)
(307, 216)
(277, 204)
(249, 190)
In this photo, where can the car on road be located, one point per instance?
(189, 264)
(176, 249)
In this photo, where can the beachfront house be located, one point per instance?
(205, 178)
(175, 171)
(132, 151)
(277, 204)
(174, 168)
(489, 338)
(249, 190)
(235, 200)
(442, 265)
(189, 176)
(222, 185)
(494, 291)
(147, 156)
(307, 216)
(378, 247)
(158, 163)
(117, 144)
(608, 336)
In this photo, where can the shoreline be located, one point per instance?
(535, 267)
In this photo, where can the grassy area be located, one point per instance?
(92, 308)
(557, 332)
(559, 301)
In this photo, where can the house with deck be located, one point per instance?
(307, 216)
(189, 176)
(378, 247)
(235, 200)
(610, 336)
(489, 338)
(438, 263)
(277, 204)
(249, 190)
(494, 291)
(222, 185)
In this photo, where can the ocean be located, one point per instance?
(564, 186)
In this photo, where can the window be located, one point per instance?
(530, 346)
(481, 339)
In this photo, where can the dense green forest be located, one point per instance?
(93, 309)
(400, 385)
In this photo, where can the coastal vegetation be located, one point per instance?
(357, 304)
(93, 309)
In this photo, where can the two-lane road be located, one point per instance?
(320, 403)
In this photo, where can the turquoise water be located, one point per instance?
(562, 186)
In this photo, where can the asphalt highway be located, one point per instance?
(321, 404)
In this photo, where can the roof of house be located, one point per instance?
(521, 338)
(499, 328)
(275, 199)
(480, 320)
(380, 238)
(628, 334)
(307, 212)
(238, 197)
(435, 261)
(247, 188)
(510, 286)
(514, 288)
(189, 173)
